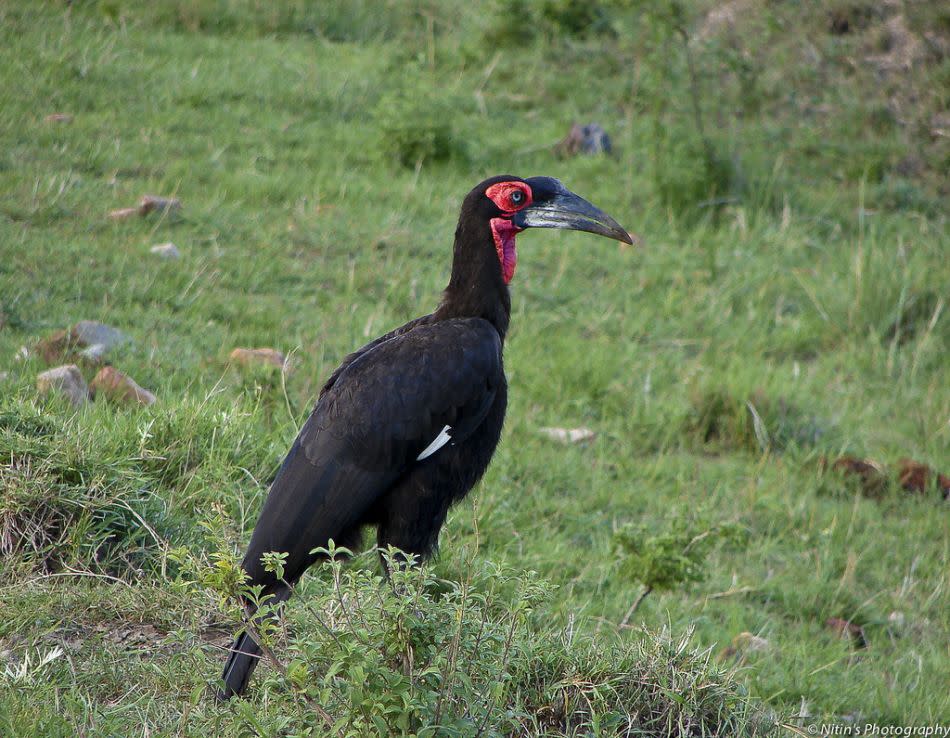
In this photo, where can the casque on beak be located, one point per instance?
(570, 211)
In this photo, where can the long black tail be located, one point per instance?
(245, 653)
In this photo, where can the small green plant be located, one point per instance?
(667, 559)
(416, 127)
(575, 17)
(515, 21)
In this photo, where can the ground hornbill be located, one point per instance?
(407, 424)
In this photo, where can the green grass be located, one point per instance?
(320, 153)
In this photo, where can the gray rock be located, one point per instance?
(94, 354)
(595, 140)
(589, 139)
(90, 333)
(166, 250)
(157, 203)
(66, 380)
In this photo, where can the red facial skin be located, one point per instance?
(502, 229)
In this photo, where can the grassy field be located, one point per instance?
(786, 170)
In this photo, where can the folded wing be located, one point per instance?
(369, 428)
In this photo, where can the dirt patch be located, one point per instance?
(903, 48)
(135, 637)
(722, 19)
(846, 629)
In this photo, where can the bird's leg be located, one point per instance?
(410, 522)
(406, 541)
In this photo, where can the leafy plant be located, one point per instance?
(666, 559)
(410, 653)
(417, 127)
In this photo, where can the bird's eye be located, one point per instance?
(517, 197)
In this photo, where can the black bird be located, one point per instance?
(407, 424)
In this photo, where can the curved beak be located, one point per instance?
(567, 210)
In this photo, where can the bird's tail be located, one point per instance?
(245, 653)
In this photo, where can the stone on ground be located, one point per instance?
(258, 356)
(569, 435)
(90, 333)
(114, 385)
(166, 250)
(148, 204)
(744, 644)
(66, 380)
(87, 342)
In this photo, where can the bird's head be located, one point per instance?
(510, 205)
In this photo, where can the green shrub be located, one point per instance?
(512, 22)
(690, 178)
(724, 420)
(666, 559)
(417, 127)
(420, 656)
(575, 17)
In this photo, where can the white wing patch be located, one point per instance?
(440, 440)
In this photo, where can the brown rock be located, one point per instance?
(152, 203)
(258, 356)
(54, 347)
(148, 204)
(872, 476)
(95, 338)
(846, 629)
(917, 477)
(66, 380)
(588, 139)
(123, 213)
(114, 385)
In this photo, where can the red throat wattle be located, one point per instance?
(510, 197)
(503, 231)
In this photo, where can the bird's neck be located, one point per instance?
(476, 288)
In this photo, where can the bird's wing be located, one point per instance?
(349, 359)
(383, 412)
